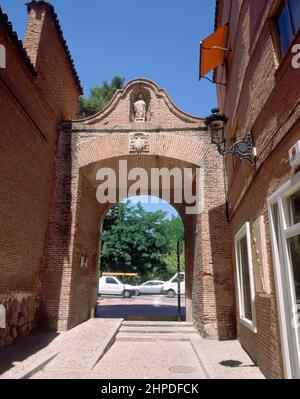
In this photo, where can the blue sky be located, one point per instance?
(153, 204)
(157, 39)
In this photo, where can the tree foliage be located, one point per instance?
(137, 241)
(99, 97)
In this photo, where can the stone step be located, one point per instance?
(157, 330)
(127, 337)
(156, 324)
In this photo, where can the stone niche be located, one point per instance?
(135, 95)
(21, 312)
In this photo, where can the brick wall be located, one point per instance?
(261, 96)
(28, 124)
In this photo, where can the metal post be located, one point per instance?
(178, 282)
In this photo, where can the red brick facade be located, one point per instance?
(29, 119)
(261, 95)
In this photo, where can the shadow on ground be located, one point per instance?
(138, 312)
(235, 363)
(27, 347)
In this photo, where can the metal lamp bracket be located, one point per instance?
(244, 148)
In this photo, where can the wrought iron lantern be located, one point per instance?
(244, 148)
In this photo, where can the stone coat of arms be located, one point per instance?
(139, 143)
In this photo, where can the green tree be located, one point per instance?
(99, 97)
(175, 231)
(137, 241)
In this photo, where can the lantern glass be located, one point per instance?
(217, 136)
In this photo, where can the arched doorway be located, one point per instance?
(169, 140)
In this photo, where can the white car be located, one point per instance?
(110, 285)
(170, 288)
(150, 287)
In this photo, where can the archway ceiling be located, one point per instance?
(147, 162)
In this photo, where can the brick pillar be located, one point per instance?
(36, 19)
(213, 302)
(189, 240)
(59, 250)
(70, 287)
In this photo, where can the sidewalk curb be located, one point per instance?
(203, 359)
(108, 343)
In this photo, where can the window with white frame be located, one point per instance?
(286, 214)
(245, 277)
(284, 208)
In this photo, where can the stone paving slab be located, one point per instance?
(158, 330)
(74, 349)
(225, 359)
(19, 358)
(151, 360)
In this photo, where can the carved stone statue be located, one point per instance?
(140, 110)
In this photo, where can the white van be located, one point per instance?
(110, 285)
(170, 288)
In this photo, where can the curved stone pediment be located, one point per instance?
(140, 105)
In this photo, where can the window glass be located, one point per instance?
(110, 280)
(294, 208)
(175, 279)
(285, 29)
(295, 260)
(276, 221)
(294, 249)
(245, 279)
(295, 14)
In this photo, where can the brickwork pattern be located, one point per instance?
(29, 121)
(261, 96)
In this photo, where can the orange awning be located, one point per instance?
(211, 50)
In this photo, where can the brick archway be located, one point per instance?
(173, 139)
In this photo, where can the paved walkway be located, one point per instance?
(87, 352)
(149, 360)
(76, 351)
(225, 359)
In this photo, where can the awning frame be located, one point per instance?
(216, 47)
